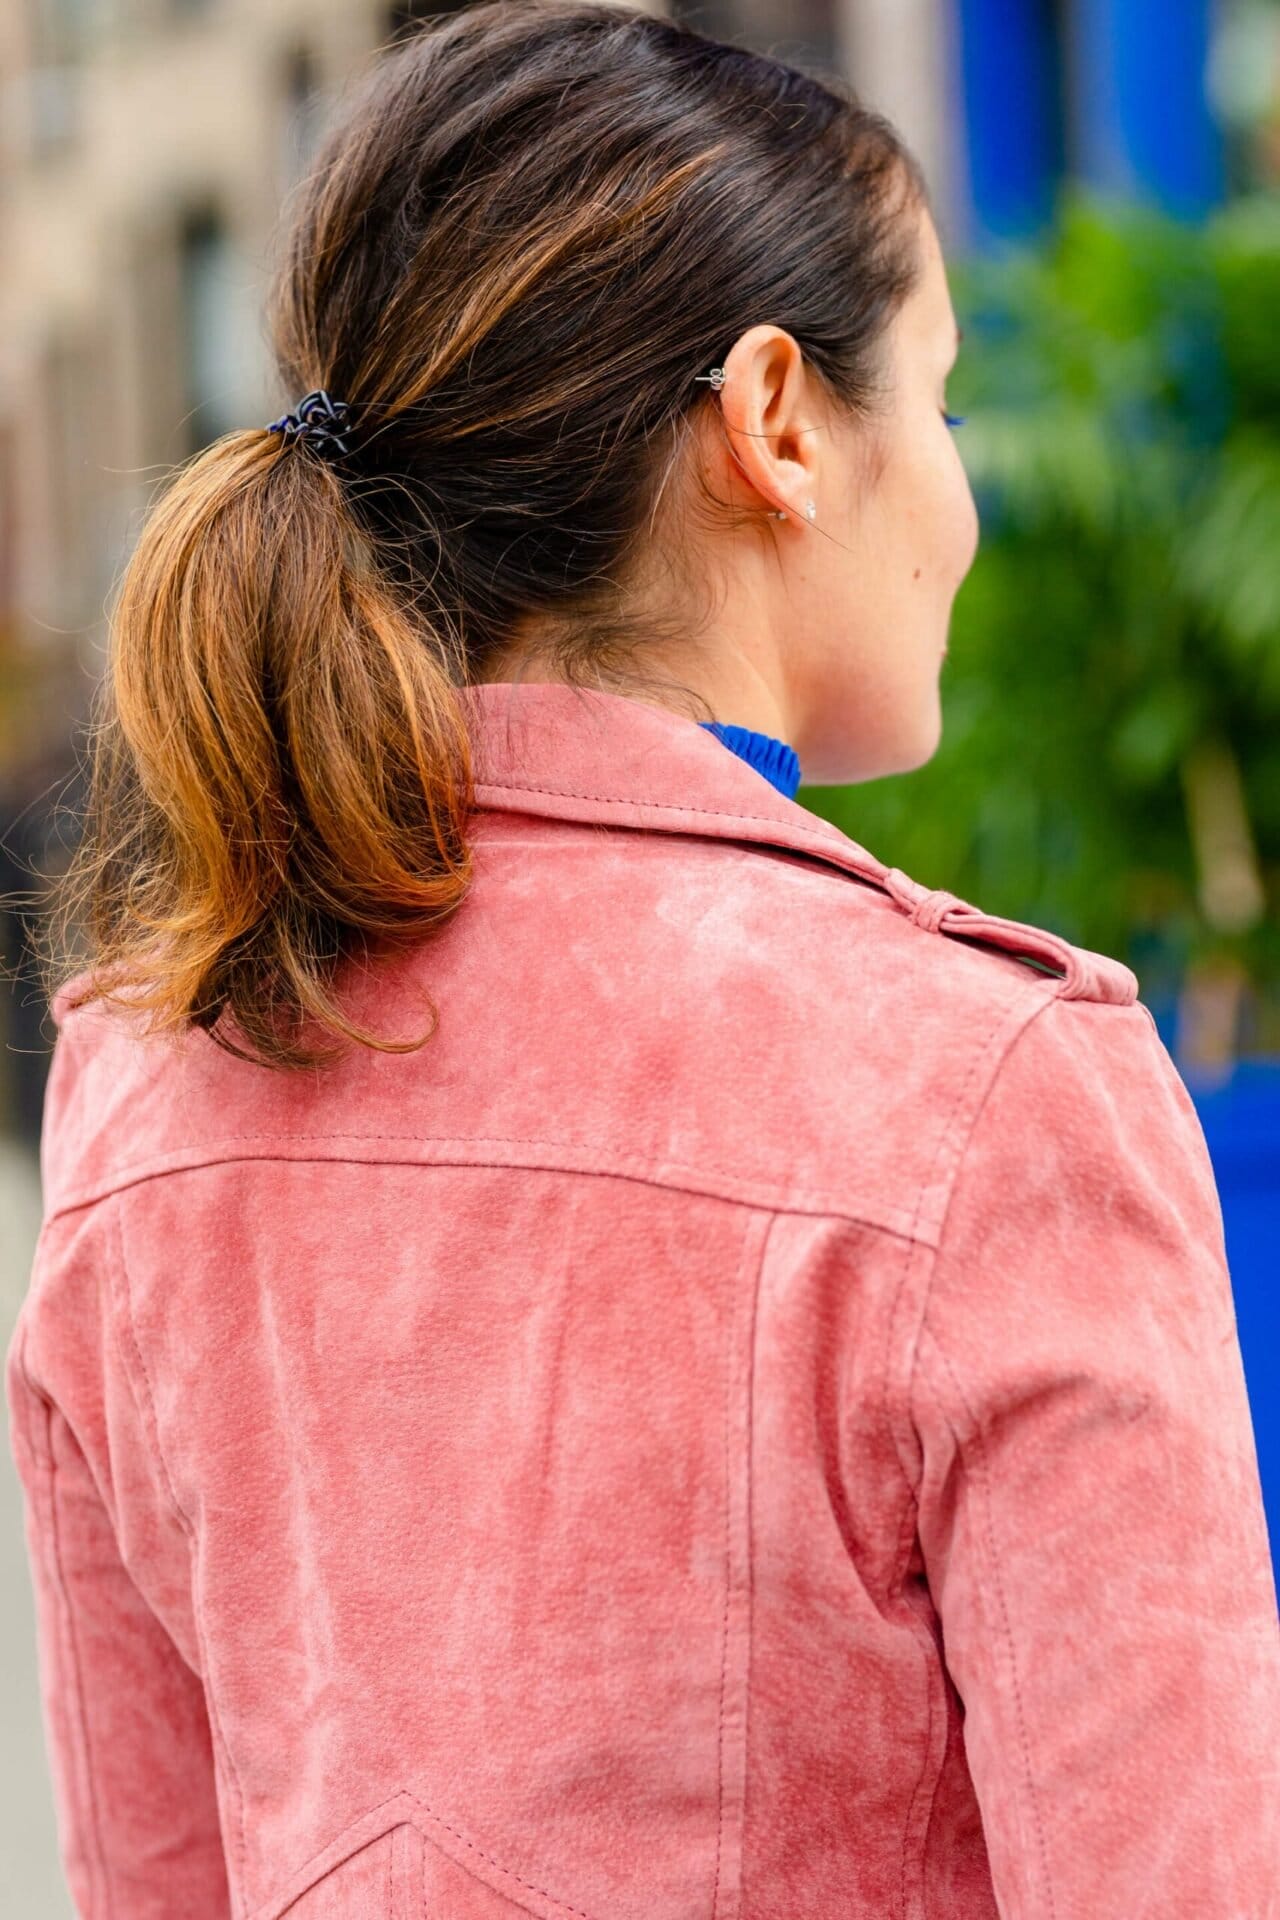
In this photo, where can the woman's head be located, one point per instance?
(518, 268)
(532, 230)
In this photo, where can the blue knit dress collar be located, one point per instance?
(773, 758)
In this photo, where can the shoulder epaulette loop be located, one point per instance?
(1084, 975)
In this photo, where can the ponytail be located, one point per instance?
(281, 766)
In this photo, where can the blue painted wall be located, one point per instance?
(1241, 1122)
(1112, 93)
(1007, 93)
(1141, 120)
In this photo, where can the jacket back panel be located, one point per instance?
(514, 1440)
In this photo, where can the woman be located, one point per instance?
(742, 1414)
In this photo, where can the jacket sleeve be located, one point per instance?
(1089, 1505)
(126, 1732)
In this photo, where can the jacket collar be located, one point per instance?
(573, 753)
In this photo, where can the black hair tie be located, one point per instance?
(318, 420)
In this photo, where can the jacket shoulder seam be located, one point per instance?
(1015, 1019)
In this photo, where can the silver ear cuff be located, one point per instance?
(716, 379)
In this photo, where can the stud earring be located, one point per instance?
(777, 513)
(810, 510)
(716, 378)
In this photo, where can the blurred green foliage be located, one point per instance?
(1110, 760)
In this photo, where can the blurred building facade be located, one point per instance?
(148, 147)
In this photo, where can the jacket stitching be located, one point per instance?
(747, 1337)
(150, 1420)
(963, 1443)
(667, 806)
(728, 1592)
(749, 1517)
(1007, 1017)
(930, 1673)
(472, 1846)
(39, 1453)
(75, 1690)
(1006, 1013)
(979, 1460)
(901, 1552)
(664, 1174)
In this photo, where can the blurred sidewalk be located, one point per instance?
(31, 1882)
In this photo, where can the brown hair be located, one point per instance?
(483, 265)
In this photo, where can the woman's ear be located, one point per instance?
(766, 407)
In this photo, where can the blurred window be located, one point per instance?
(303, 115)
(8, 535)
(803, 32)
(61, 28)
(62, 517)
(402, 16)
(210, 327)
(60, 33)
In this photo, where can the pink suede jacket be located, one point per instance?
(748, 1421)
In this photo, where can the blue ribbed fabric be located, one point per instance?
(777, 761)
